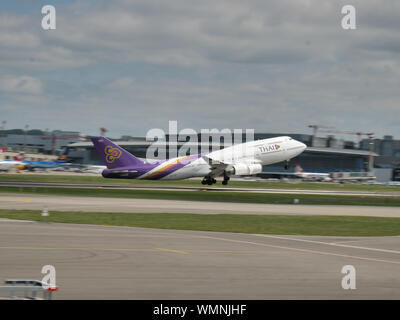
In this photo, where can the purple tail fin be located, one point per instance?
(113, 155)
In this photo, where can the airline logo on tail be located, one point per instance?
(112, 154)
(298, 168)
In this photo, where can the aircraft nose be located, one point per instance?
(301, 146)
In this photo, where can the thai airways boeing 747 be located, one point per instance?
(240, 159)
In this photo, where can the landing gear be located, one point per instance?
(208, 180)
(226, 179)
(286, 164)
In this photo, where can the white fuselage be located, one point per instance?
(94, 169)
(313, 175)
(265, 152)
(7, 165)
(259, 152)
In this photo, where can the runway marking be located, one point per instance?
(172, 250)
(85, 235)
(80, 249)
(137, 250)
(303, 250)
(95, 227)
(97, 249)
(228, 251)
(335, 244)
(210, 251)
(16, 199)
(231, 240)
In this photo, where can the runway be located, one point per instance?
(98, 204)
(200, 188)
(98, 262)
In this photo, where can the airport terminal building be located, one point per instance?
(37, 141)
(333, 156)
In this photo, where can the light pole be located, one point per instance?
(25, 131)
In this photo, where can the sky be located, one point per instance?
(133, 65)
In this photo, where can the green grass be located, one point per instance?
(193, 183)
(243, 197)
(258, 224)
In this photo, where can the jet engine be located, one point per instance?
(26, 166)
(242, 169)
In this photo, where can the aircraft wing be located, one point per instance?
(217, 167)
(247, 161)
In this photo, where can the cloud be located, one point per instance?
(268, 65)
(121, 83)
(202, 33)
(21, 84)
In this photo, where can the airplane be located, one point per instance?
(7, 165)
(61, 161)
(20, 163)
(93, 169)
(315, 176)
(241, 159)
(32, 165)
